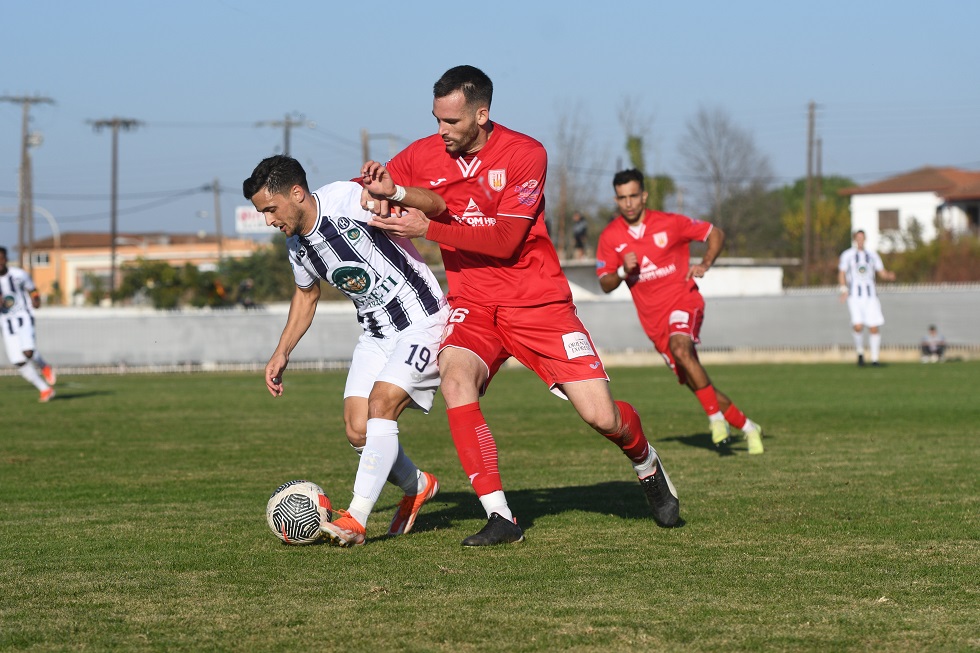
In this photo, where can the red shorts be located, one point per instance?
(685, 317)
(550, 340)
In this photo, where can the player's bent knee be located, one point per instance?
(357, 438)
(602, 419)
(458, 391)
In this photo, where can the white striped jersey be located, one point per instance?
(860, 266)
(15, 288)
(384, 276)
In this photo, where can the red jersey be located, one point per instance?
(503, 181)
(662, 245)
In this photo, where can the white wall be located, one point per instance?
(813, 318)
(721, 281)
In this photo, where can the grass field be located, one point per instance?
(132, 518)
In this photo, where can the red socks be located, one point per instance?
(475, 447)
(735, 417)
(630, 436)
(708, 399)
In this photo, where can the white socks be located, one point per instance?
(377, 459)
(858, 342)
(30, 373)
(496, 502)
(646, 468)
(875, 342)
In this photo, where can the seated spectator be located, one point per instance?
(933, 346)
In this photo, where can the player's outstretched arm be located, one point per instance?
(384, 190)
(302, 308)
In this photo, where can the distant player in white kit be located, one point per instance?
(20, 298)
(856, 275)
(401, 308)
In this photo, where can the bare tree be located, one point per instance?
(637, 126)
(568, 172)
(724, 162)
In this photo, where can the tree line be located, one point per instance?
(732, 187)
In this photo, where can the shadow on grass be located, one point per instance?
(616, 498)
(67, 395)
(735, 447)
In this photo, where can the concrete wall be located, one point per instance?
(814, 319)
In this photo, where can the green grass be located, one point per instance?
(132, 518)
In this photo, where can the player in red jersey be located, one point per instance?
(650, 250)
(508, 294)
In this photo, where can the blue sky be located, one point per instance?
(897, 86)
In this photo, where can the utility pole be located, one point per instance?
(25, 216)
(287, 125)
(366, 137)
(217, 217)
(115, 124)
(818, 201)
(807, 201)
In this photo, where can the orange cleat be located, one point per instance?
(49, 376)
(409, 506)
(46, 395)
(344, 531)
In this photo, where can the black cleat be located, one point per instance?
(860, 360)
(497, 531)
(875, 364)
(662, 497)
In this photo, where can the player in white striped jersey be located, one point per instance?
(20, 298)
(400, 307)
(856, 274)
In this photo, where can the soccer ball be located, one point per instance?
(295, 511)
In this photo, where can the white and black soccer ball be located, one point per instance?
(296, 510)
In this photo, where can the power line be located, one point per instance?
(140, 207)
(287, 125)
(78, 197)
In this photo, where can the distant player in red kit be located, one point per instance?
(650, 251)
(508, 294)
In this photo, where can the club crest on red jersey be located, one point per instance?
(497, 179)
(660, 239)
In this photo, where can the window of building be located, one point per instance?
(40, 259)
(888, 220)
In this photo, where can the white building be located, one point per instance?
(935, 198)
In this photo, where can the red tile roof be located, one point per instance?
(948, 183)
(82, 240)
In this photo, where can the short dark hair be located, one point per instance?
(859, 231)
(473, 82)
(626, 176)
(3, 250)
(278, 173)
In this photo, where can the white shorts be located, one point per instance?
(866, 311)
(18, 336)
(409, 361)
